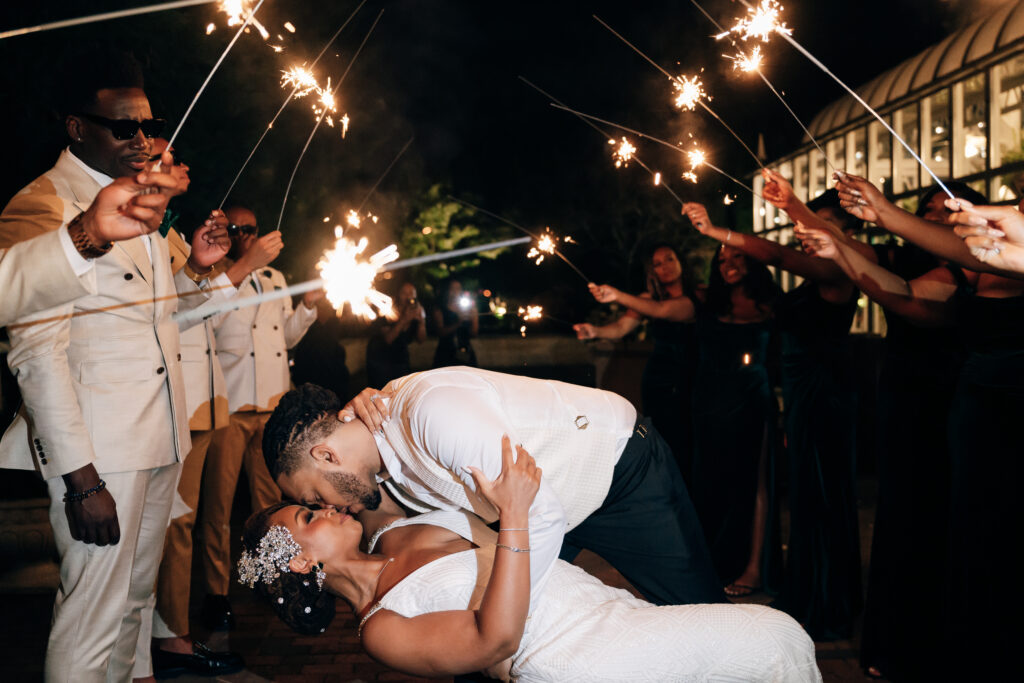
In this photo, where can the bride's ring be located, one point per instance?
(375, 397)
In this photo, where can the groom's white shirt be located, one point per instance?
(443, 420)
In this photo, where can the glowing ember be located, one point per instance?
(545, 245)
(522, 331)
(210, 28)
(348, 279)
(690, 91)
(344, 125)
(353, 218)
(746, 63)
(623, 154)
(760, 22)
(728, 200)
(696, 158)
(498, 307)
(691, 176)
(238, 10)
(531, 313)
(289, 26)
(657, 178)
(301, 79)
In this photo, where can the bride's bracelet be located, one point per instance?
(507, 529)
(512, 548)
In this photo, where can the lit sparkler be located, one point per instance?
(348, 277)
(344, 126)
(696, 158)
(691, 176)
(690, 92)
(657, 178)
(301, 80)
(237, 10)
(761, 22)
(545, 245)
(531, 313)
(622, 154)
(746, 63)
(353, 219)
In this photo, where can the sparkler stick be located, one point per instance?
(104, 16)
(241, 29)
(654, 174)
(285, 104)
(677, 81)
(520, 228)
(756, 67)
(781, 30)
(288, 189)
(384, 174)
(310, 285)
(704, 162)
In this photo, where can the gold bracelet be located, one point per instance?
(512, 548)
(194, 276)
(81, 240)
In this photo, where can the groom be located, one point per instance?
(610, 482)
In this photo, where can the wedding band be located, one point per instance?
(375, 397)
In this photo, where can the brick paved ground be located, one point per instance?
(274, 653)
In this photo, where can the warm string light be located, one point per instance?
(348, 278)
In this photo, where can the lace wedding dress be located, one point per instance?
(582, 630)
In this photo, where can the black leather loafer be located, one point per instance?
(217, 613)
(202, 662)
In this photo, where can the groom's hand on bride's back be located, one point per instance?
(369, 407)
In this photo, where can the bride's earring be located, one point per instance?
(321, 575)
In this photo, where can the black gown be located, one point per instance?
(903, 613)
(667, 385)
(986, 512)
(734, 425)
(385, 362)
(822, 587)
(455, 348)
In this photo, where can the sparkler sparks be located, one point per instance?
(623, 154)
(348, 278)
(690, 91)
(696, 158)
(545, 245)
(238, 10)
(301, 80)
(761, 22)
(353, 218)
(531, 313)
(746, 63)
(657, 178)
(344, 126)
(691, 176)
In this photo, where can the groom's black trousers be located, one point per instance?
(647, 527)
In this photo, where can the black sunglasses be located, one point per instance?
(244, 229)
(126, 129)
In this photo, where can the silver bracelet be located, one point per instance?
(512, 548)
(728, 235)
(508, 529)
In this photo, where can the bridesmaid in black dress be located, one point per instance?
(667, 381)
(985, 519)
(822, 587)
(456, 323)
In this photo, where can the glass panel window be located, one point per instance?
(856, 152)
(836, 150)
(800, 178)
(817, 184)
(937, 123)
(880, 156)
(906, 122)
(1007, 123)
(970, 135)
(759, 203)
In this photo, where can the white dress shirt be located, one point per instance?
(451, 418)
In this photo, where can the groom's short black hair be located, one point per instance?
(304, 416)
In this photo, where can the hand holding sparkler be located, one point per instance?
(210, 244)
(698, 215)
(123, 209)
(605, 294)
(777, 190)
(260, 253)
(817, 242)
(994, 234)
(585, 331)
(862, 199)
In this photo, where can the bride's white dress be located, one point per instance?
(583, 630)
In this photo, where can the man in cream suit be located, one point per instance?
(252, 346)
(33, 274)
(610, 484)
(105, 421)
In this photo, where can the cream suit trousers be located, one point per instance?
(237, 446)
(103, 590)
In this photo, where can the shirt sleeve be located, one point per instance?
(459, 427)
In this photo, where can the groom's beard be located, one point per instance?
(349, 486)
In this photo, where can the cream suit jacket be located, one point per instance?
(35, 275)
(100, 377)
(253, 343)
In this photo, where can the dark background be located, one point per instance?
(445, 71)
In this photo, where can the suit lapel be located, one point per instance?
(136, 251)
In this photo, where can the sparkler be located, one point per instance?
(623, 154)
(104, 16)
(291, 179)
(770, 24)
(546, 243)
(288, 99)
(689, 175)
(348, 279)
(690, 92)
(237, 9)
(302, 81)
(760, 22)
(684, 87)
(531, 313)
(252, 14)
(654, 174)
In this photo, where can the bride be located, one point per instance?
(442, 594)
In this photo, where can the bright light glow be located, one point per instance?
(761, 22)
(696, 158)
(238, 10)
(210, 28)
(657, 178)
(348, 279)
(622, 154)
(545, 245)
(353, 218)
(344, 125)
(301, 79)
(465, 302)
(290, 26)
(691, 176)
(747, 63)
(531, 313)
(689, 92)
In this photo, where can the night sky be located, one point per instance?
(445, 71)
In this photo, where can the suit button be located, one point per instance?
(266, 273)
(128, 276)
(172, 259)
(207, 352)
(275, 327)
(179, 356)
(254, 327)
(43, 461)
(278, 354)
(252, 353)
(159, 371)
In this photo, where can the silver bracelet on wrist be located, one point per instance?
(512, 548)
(510, 529)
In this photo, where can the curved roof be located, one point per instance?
(955, 52)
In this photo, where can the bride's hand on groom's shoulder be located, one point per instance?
(369, 407)
(513, 491)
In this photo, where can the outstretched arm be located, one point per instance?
(677, 309)
(614, 330)
(924, 300)
(993, 234)
(455, 642)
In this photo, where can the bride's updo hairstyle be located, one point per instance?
(296, 598)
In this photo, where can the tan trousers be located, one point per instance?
(103, 590)
(237, 446)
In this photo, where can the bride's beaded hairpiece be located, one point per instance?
(275, 551)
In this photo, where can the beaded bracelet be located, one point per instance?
(78, 497)
(512, 548)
